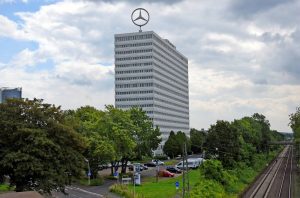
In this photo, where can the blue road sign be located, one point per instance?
(89, 174)
(116, 174)
(177, 184)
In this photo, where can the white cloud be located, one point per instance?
(239, 64)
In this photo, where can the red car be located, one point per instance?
(165, 173)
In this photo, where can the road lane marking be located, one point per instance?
(85, 191)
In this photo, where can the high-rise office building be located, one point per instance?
(6, 93)
(150, 73)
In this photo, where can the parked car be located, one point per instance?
(158, 162)
(138, 167)
(150, 164)
(173, 169)
(165, 173)
(144, 167)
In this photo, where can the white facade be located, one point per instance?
(150, 73)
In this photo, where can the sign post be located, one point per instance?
(177, 185)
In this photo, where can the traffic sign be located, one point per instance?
(177, 185)
(89, 173)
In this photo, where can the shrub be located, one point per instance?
(212, 169)
(123, 191)
(161, 157)
(207, 188)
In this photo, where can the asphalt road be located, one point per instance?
(77, 191)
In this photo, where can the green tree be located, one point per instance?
(223, 142)
(38, 151)
(88, 122)
(171, 147)
(295, 123)
(146, 137)
(175, 143)
(119, 129)
(197, 140)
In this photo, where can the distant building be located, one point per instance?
(150, 73)
(6, 93)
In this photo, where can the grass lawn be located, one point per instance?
(5, 188)
(171, 162)
(164, 188)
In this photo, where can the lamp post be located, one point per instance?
(89, 171)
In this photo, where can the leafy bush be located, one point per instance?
(5, 187)
(207, 188)
(123, 191)
(213, 170)
(161, 157)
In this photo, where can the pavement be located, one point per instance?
(78, 191)
(29, 194)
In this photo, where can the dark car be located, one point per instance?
(173, 169)
(138, 167)
(144, 167)
(150, 164)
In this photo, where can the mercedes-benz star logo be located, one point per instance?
(140, 17)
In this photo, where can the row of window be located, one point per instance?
(172, 85)
(134, 85)
(171, 109)
(150, 77)
(134, 37)
(151, 91)
(170, 97)
(171, 79)
(152, 105)
(178, 58)
(133, 92)
(185, 74)
(134, 64)
(170, 72)
(135, 78)
(133, 45)
(137, 105)
(171, 49)
(171, 91)
(134, 99)
(172, 121)
(185, 106)
(177, 64)
(174, 128)
(171, 115)
(134, 71)
(150, 85)
(134, 51)
(134, 58)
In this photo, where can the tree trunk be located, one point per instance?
(112, 168)
(19, 187)
(124, 165)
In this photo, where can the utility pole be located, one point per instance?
(185, 173)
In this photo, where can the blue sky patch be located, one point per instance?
(10, 47)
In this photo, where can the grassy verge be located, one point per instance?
(162, 189)
(93, 182)
(237, 180)
(5, 188)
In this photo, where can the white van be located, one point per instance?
(192, 163)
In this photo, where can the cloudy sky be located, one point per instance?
(244, 55)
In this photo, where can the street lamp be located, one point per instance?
(89, 171)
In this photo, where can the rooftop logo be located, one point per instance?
(140, 17)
